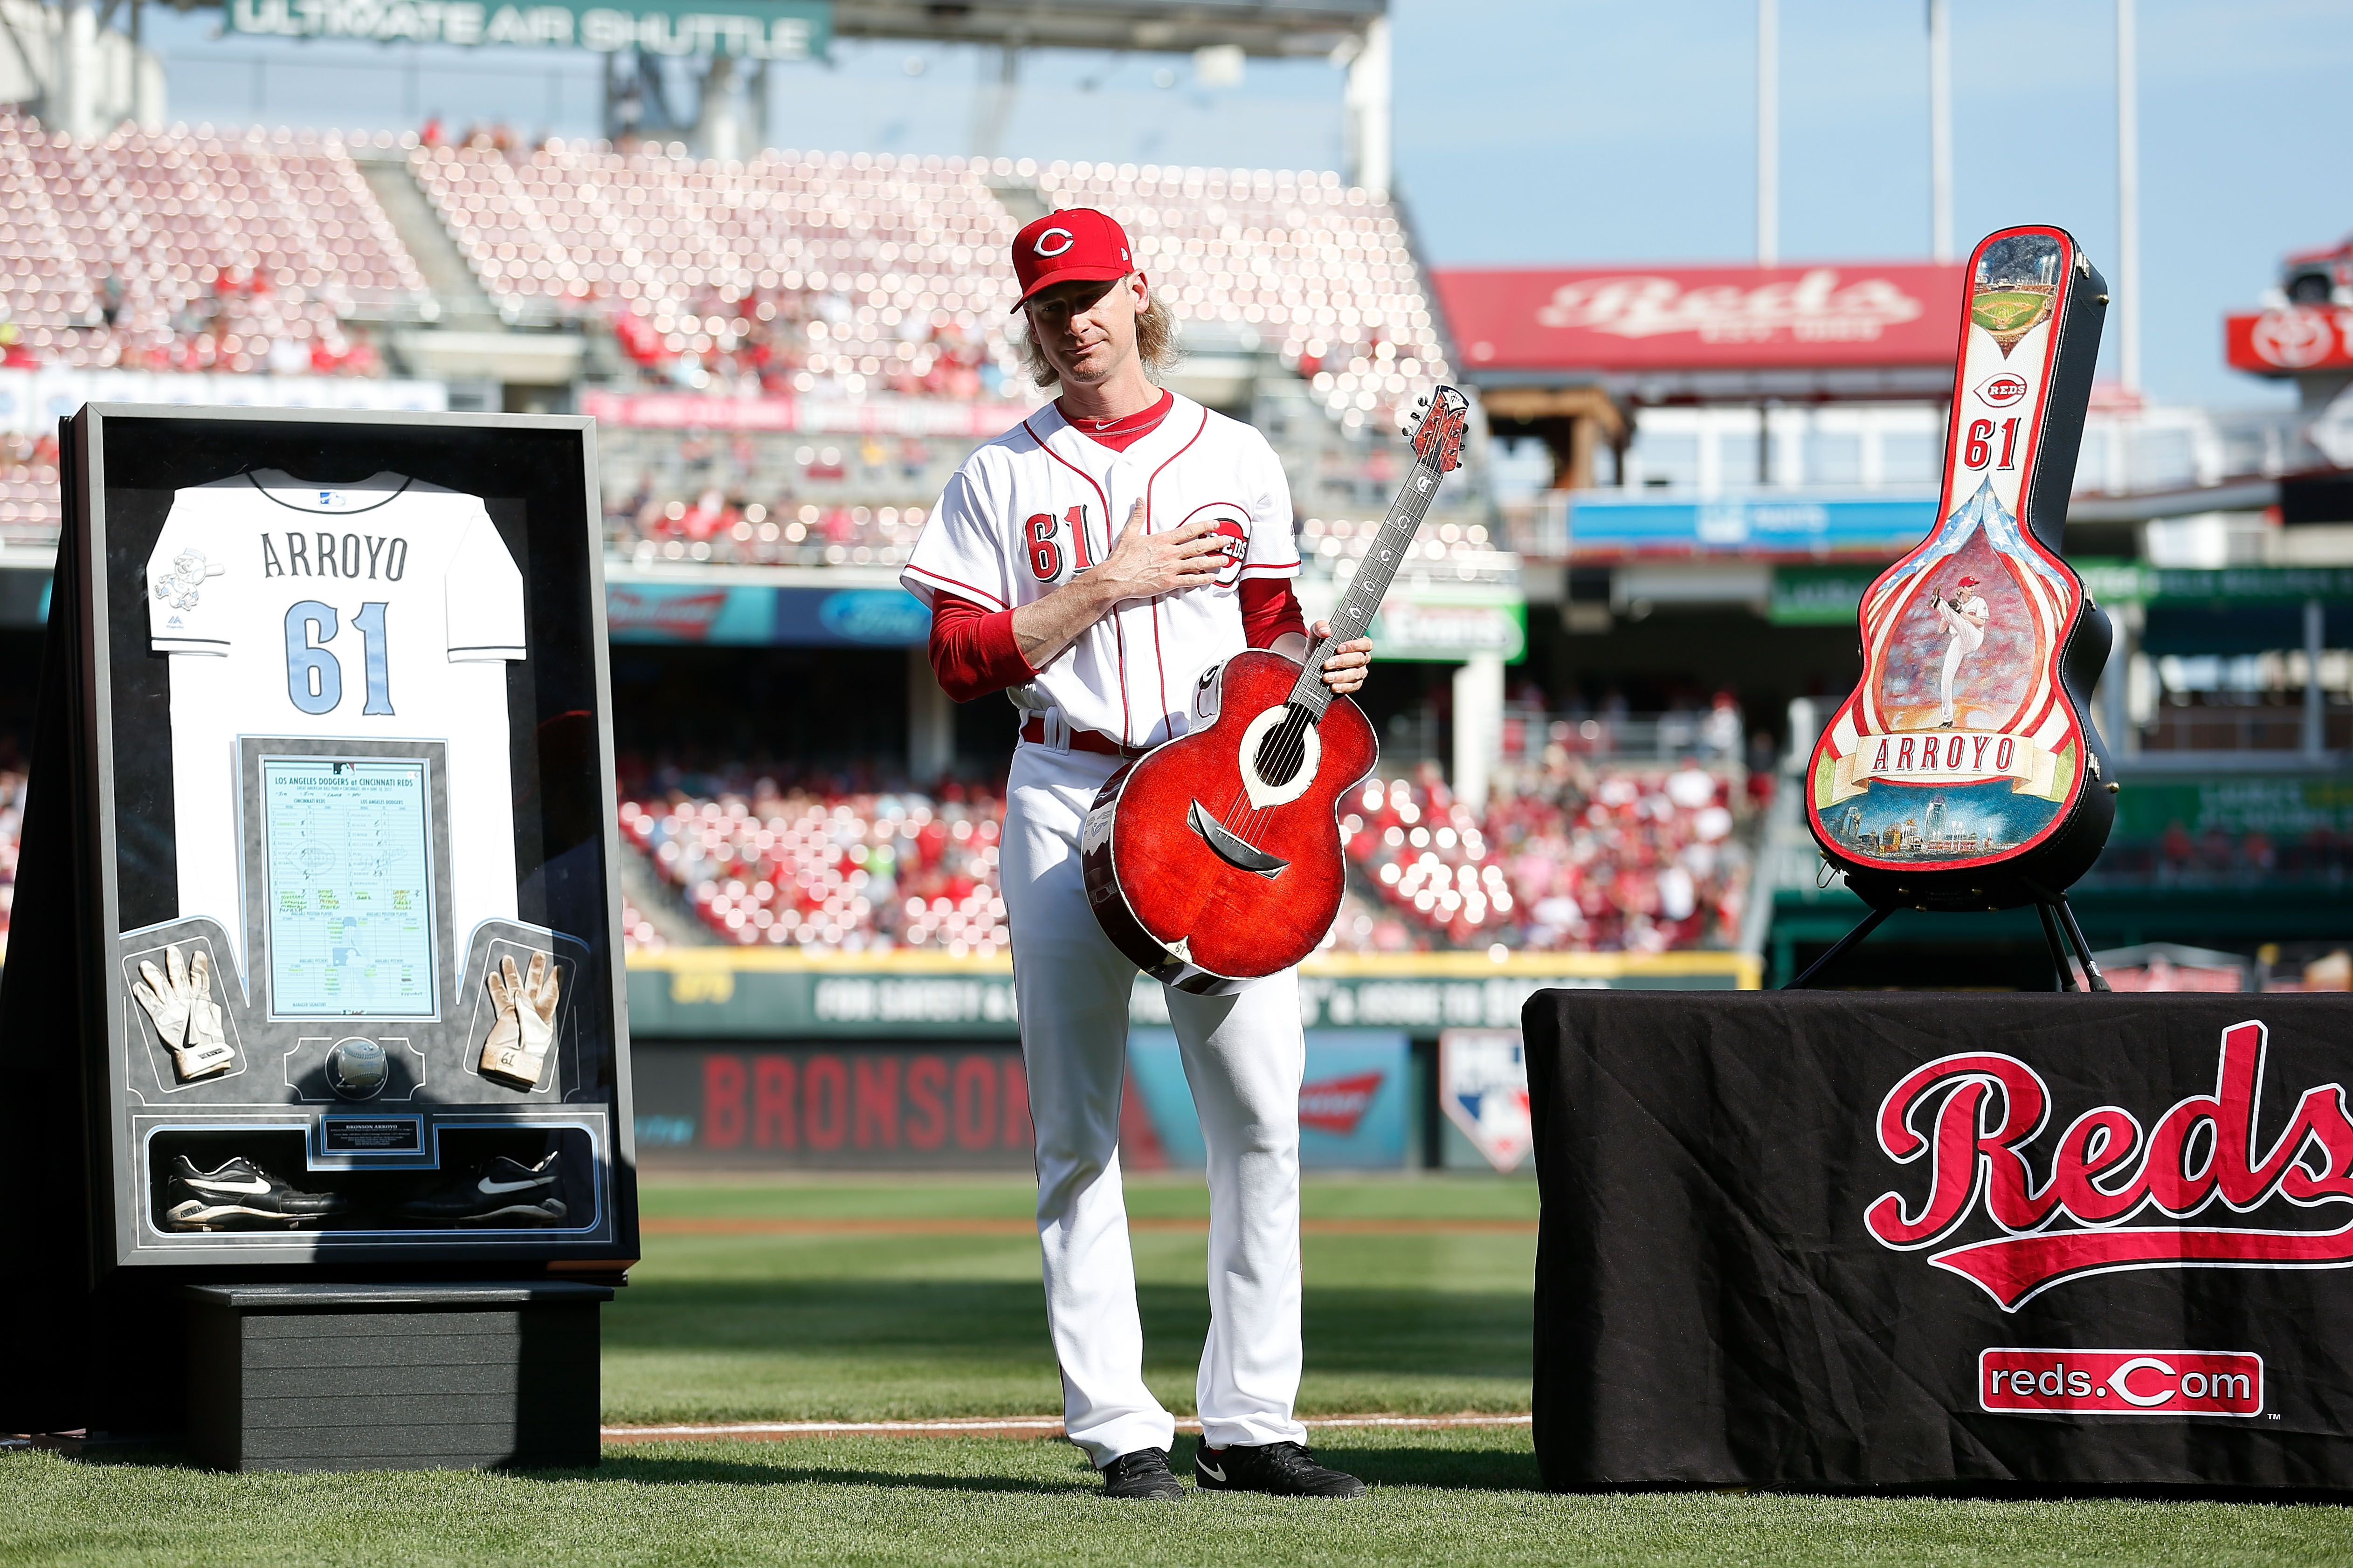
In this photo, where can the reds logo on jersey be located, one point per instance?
(1233, 531)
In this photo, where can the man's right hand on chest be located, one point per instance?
(1142, 566)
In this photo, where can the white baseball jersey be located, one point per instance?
(1044, 502)
(382, 611)
(1968, 633)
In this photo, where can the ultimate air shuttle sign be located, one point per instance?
(756, 29)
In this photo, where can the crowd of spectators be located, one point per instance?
(2180, 858)
(29, 500)
(1567, 857)
(832, 868)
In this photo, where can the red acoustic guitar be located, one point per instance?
(1215, 859)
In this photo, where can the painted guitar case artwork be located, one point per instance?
(1964, 772)
(1216, 859)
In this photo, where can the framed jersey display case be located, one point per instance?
(316, 955)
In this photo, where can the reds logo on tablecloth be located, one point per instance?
(2017, 1381)
(1975, 1115)
(1482, 1085)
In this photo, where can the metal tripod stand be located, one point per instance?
(2051, 907)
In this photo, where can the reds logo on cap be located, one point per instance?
(1077, 244)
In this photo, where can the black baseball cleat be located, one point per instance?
(1143, 1476)
(240, 1196)
(1279, 1469)
(503, 1192)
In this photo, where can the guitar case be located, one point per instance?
(1965, 773)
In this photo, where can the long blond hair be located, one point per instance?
(1155, 343)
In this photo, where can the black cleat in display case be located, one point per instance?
(315, 981)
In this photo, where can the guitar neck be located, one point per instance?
(1371, 583)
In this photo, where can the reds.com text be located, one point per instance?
(2121, 1383)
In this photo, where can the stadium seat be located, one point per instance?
(829, 871)
(193, 249)
(1565, 859)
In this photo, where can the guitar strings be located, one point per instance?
(1284, 748)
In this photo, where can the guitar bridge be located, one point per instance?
(1230, 849)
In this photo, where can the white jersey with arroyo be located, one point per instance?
(380, 611)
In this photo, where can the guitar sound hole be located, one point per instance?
(1282, 749)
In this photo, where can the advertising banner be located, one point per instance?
(1605, 525)
(887, 414)
(830, 1107)
(760, 994)
(1352, 1105)
(741, 615)
(1804, 1239)
(1439, 625)
(1482, 1088)
(2289, 342)
(690, 613)
(1632, 319)
(756, 29)
(1818, 596)
(33, 401)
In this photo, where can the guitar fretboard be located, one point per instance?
(1371, 583)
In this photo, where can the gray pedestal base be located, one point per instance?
(397, 1377)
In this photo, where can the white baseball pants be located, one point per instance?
(1243, 1054)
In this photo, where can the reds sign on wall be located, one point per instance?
(1699, 318)
(2286, 342)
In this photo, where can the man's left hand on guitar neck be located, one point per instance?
(1350, 662)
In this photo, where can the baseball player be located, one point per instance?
(1963, 615)
(1092, 563)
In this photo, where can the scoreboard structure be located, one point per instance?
(316, 997)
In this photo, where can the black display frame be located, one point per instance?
(92, 837)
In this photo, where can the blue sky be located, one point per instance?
(1573, 132)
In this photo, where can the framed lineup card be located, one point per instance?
(315, 955)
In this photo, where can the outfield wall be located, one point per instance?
(757, 1059)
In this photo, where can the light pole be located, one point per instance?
(1940, 131)
(1769, 132)
(2128, 199)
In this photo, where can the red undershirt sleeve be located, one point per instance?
(1269, 609)
(973, 650)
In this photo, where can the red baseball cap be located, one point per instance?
(1076, 245)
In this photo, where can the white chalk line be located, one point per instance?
(993, 1426)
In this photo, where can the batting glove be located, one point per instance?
(180, 1003)
(517, 1050)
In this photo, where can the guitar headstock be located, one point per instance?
(1442, 420)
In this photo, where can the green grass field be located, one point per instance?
(2008, 311)
(876, 1299)
(865, 1327)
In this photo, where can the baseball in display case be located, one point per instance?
(316, 956)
